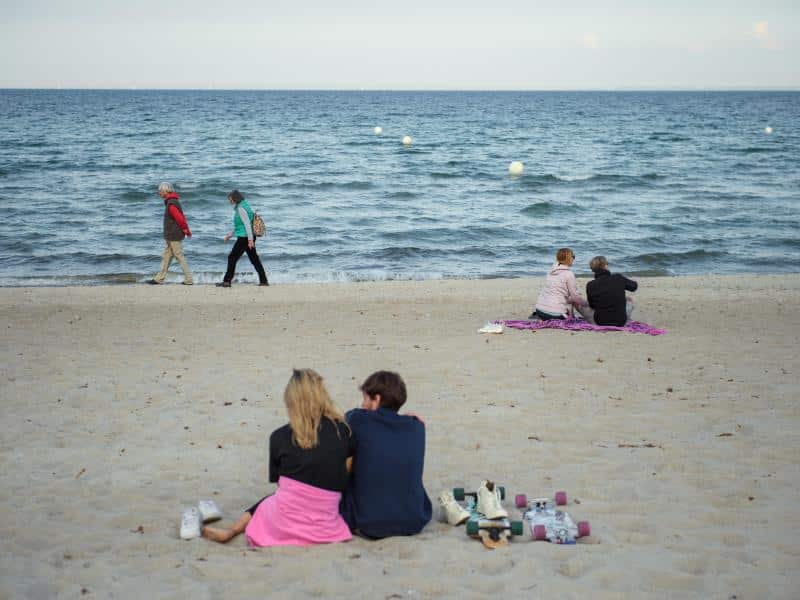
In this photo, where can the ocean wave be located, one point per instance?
(538, 209)
(665, 259)
(402, 195)
(400, 253)
(663, 136)
(754, 150)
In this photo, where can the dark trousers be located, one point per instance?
(239, 248)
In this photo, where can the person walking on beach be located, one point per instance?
(606, 294)
(559, 296)
(307, 458)
(245, 240)
(175, 230)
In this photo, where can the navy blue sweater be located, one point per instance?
(385, 495)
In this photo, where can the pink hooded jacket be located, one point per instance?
(559, 292)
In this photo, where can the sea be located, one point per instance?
(661, 183)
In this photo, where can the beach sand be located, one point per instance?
(121, 405)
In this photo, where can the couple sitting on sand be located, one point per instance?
(606, 304)
(336, 474)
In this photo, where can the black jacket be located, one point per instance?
(606, 295)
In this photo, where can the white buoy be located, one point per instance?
(516, 168)
(407, 140)
(768, 130)
(378, 130)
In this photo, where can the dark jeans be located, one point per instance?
(546, 316)
(239, 248)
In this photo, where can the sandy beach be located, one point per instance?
(123, 404)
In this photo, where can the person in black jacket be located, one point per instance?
(606, 294)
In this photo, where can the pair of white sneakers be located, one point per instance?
(193, 518)
(488, 503)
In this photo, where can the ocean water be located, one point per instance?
(660, 183)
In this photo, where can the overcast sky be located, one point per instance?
(405, 44)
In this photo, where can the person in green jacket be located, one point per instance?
(245, 240)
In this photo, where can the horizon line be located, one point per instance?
(353, 89)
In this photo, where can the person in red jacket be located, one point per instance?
(175, 230)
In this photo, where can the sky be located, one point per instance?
(405, 44)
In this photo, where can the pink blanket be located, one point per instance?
(581, 325)
(297, 514)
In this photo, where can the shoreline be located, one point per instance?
(123, 404)
(139, 279)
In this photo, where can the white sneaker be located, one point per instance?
(190, 523)
(489, 501)
(209, 511)
(491, 328)
(454, 513)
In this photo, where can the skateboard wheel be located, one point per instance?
(521, 500)
(539, 533)
(458, 493)
(516, 527)
(561, 498)
(472, 528)
(584, 529)
(502, 492)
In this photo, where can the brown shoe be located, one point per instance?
(223, 284)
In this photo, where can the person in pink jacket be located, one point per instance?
(559, 296)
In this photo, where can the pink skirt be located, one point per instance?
(297, 514)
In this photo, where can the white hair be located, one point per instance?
(165, 187)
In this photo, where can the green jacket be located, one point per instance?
(243, 220)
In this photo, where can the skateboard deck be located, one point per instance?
(493, 533)
(549, 523)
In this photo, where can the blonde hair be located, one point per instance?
(598, 263)
(307, 402)
(563, 254)
(165, 187)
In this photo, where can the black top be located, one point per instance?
(606, 295)
(322, 466)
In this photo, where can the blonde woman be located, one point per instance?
(559, 297)
(307, 459)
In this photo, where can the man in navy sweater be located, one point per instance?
(385, 495)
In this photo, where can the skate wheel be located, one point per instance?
(561, 498)
(516, 527)
(539, 533)
(584, 529)
(458, 493)
(502, 492)
(472, 528)
(521, 500)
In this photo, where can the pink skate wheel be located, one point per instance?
(521, 500)
(539, 533)
(561, 498)
(584, 529)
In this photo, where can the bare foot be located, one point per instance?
(218, 535)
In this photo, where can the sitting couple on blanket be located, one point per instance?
(606, 303)
(339, 474)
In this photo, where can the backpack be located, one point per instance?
(259, 227)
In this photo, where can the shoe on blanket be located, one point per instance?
(489, 501)
(209, 511)
(190, 523)
(453, 512)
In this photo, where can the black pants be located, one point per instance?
(239, 248)
(252, 509)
